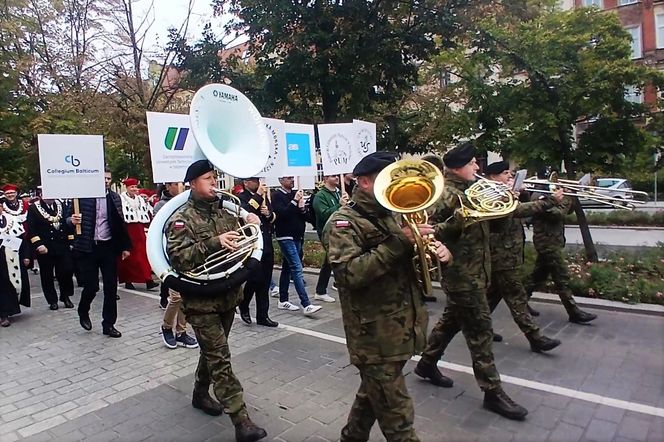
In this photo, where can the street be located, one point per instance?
(62, 383)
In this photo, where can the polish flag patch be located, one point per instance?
(178, 225)
(342, 223)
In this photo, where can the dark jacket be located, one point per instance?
(549, 226)
(470, 269)
(290, 221)
(381, 301)
(163, 199)
(325, 204)
(252, 202)
(42, 232)
(120, 237)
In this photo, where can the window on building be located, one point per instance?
(635, 33)
(626, 2)
(596, 3)
(659, 24)
(633, 94)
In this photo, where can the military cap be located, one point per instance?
(374, 163)
(496, 168)
(460, 155)
(196, 169)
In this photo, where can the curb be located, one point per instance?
(576, 226)
(551, 298)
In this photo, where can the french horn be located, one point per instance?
(232, 135)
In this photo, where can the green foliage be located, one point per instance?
(621, 218)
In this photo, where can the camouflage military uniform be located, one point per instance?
(549, 241)
(507, 241)
(465, 282)
(192, 235)
(383, 314)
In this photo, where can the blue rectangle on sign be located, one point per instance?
(298, 150)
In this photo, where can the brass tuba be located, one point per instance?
(231, 133)
(409, 187)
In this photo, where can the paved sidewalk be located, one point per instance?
(62, 383)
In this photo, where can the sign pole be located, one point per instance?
(77, 211)
(342, 184)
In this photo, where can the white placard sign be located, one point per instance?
(300, 150)
(172, 146)
(365, 138)
(277, 159)
(71, 166)
(338, 148)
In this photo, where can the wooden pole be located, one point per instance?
(77, 211)
(342, 184)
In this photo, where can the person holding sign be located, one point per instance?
(50, 236)
(103, 237)
(136, 211)
(14, 283)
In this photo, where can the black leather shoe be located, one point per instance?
(151, 285)
(246, 317)
(129, 286)
(85, 322)
(206, 404)
(267, 322)
(431, 372)
(532, 311)
(247, 431)
(542, 343)
(497, 337)
(499, 402)
(426, 298)
(111, 332)
(578, 316)
(68, 304)
(117, 297)
(54, 306)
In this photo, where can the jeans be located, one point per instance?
(291, 250)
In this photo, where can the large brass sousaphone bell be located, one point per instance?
(409, 187)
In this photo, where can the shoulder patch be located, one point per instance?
(342, 223)
(178, 225)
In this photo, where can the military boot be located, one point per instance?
(539, 343)
(499, 402)
(247, 431)
(204, 402)
(578, 316)
(431, 372)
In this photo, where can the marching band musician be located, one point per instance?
(197, 229)
(381, 303)
(507, 242)
(465, 282)
(50, 237)
(14, 252)
(136, 211)
(254, 200)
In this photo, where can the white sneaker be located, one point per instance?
(275, 292)
(288, 306)
(334, 286)
(324, 298)
(311, 309)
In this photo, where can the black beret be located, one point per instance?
(374, 163)
(198, 168)
(496, 168)
(460, 155)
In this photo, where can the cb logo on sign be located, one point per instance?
(71, 159)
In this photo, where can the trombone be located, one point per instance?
(584, 191)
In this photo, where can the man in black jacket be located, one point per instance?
(289, 229)
(50, 236)
(103, 238)
(254, 200)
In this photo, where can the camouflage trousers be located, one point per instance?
(214, 363)
(551, 262)
(506, 284)
(382, 396)
(469, 313)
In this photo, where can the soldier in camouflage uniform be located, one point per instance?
(507, 241)
(465, 282)
(197, 229)
(549, 241)
(381, 303)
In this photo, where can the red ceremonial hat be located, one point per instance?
(10, 187)
(130, 182)
(144, 192)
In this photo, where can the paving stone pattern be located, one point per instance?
(62, 383)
